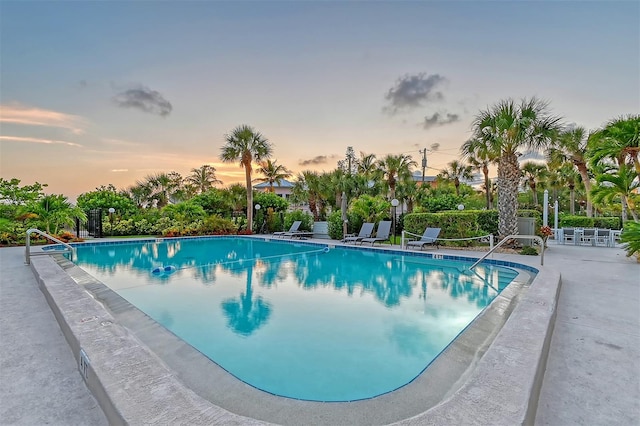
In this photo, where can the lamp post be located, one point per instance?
(394, 204)
(111, 212)
(460, 207)
(258, 206)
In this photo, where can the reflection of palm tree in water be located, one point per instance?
(246, 314)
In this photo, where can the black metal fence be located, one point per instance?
(92, 227)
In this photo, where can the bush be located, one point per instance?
(631, 237)
(335, 224)
(292, 216)
(529, 251)
(574, 221)
(452, 225)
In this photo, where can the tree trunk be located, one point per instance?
(572, 199)
(582, 169)
(487, 186)
(247, 173)
(508, 179)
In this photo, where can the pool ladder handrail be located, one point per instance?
(28, 253)
(509, 238)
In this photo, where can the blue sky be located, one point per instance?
(94, 93)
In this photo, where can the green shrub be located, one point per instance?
(451, 224)
(292, 216)
(574, 221)
(529, 251)
(631, 237)
(217, 225)
(488, 221)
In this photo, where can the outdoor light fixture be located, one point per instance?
(394, 203)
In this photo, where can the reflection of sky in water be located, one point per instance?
(295, 321)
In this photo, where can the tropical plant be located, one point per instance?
(630, 236)
(454, 172)
(203, 178)
(246, 145)
(394, 168)
(618, 140)
(370, 209)
(571, 146)
(273, 173)
(506, 129)
(621, 185)
(12, 193)
(106, 197)
(480, 157)
(55, 211)
(532, 174)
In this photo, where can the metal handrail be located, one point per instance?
(509, 238)
(28, 253)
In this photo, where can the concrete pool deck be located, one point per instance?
(595, 346)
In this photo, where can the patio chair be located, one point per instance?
(603, 237)
(365, 232)
(568, 234)
(588, 236)
(429, 238)
(382, 234)
(294, 228)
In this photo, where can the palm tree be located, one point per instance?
(203, 178)
(55, 211)
(618, 140)
(620, 184)
(479, 157)
(273, 173)
(569, 178)
(246, 145)
(507, 128)
(533, 173)
(140, 194)
(571, 146)
(394, 168)
(456, 171)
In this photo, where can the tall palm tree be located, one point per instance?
(273, 173)
(532, 174)
(246, 145)
(140, 193)
(571, 146)
(569, 178)
(162, 187)
(394, 168)
(618, 140)
(508, 128)
(454, 172)
(480, 157)
(203, 178)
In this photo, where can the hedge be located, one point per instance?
(605, 222)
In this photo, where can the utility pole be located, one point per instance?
(424, 162)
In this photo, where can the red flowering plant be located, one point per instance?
(546, 232)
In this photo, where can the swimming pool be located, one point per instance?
(294, 319)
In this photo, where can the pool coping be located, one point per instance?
(502, 387)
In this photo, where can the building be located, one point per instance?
(284, 188)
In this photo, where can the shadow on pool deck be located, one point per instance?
(592, 372)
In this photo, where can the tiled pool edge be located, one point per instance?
(112, 352)
(455, 409)
(505, 386)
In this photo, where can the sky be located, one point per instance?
(95, 93)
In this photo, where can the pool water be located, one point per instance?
(296, 319)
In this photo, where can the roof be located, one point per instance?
(282, 184)
(417, 177)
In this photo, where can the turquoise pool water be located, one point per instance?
(296, 319)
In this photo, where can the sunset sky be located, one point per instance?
(94, 93)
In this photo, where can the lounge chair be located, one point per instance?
(429, 238)
(603, 237)
(365, 232)
(382, 234)
(588, 236)
(294, 228)
(568, 234)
